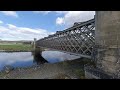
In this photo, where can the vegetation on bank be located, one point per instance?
(16, 47)
(77, 66)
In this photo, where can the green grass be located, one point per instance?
(16, 47)
(80, 73)
(77, 66)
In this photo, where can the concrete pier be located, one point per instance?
(107, 41)
(34, 43)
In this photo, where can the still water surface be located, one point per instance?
(24, 59)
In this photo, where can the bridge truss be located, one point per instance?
(78, 39)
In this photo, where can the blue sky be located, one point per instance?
(27, 25)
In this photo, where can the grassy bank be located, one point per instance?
(16, 47)
(77, 66)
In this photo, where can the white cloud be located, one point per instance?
(71, 17)
(61, 12)
(10, 26)
(3, 29)
(1, 22)
(59, 20)
(12, 32)
(10, 13)
(44, 12)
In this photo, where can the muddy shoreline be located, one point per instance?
(73, 69)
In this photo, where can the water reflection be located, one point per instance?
(16, 59)
(57, 56)
(25, 59)
(21, 59)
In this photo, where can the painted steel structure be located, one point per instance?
(78, 39)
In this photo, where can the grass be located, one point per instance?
(77, 66)
(80, 73)
(16, 47)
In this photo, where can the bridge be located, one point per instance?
(97, 39)
(78, 39)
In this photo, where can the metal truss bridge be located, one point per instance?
(78, 39)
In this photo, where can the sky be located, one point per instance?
(27, 25)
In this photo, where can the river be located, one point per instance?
(25, 59)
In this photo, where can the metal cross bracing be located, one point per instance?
(78, 39)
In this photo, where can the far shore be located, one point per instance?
(16, 48)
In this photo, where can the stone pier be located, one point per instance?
(107, 43)
(34, 43)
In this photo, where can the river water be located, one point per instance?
(25, 59)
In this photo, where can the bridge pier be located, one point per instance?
(107, 42)
(37, 54)
(34, 44)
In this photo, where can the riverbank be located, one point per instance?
(73, 69)
(16, 48)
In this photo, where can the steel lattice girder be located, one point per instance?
(78, 39)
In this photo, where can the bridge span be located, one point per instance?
(78, 39)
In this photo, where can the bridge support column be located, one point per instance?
(107, 46)
(37, 54)
(107, 41)
(34, 44)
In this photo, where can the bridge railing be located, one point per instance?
(78, 39)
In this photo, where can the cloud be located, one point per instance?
(61, 12)
(12, 32)
(10, 13)
(10, 26)
(47, 12)
(71, 17)
(59, 20)
(44, 12)
(1, 22)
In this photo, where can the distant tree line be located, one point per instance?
(28, 42)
